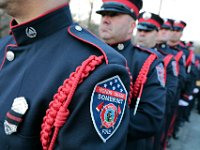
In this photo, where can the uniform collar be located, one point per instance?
(42, 26)
(121, 46)
(162, 45)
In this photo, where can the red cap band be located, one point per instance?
(179, 24)
(127, 3)
(149, 21)
(168, 23)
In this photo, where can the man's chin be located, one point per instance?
(105, 36)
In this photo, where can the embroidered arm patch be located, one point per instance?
(161, 74)
(174, 68)
(107, 106)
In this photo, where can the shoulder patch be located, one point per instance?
(174, 68)
(161, 74)
(107, 106)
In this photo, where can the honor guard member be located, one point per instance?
(163, 37)
(197, 64)
(147, 105)
(146, 36)
(188, 86)
(163, 40)
(191, 48)
(61, 87)
(164, 32)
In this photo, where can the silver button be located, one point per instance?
(10, 56)
(120, 46)
(132, 10)
(78, 28)
(163, 45)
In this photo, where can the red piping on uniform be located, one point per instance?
(17, 119)
(141, 20)
(58, 112)
(131, 85)
(127, 3)
(38, 17)
(105, 56)
(4, 58)
(171, 126)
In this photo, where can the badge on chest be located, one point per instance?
(15, 115)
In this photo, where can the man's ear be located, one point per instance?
(132, 26)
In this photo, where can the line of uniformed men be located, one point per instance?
(177, 71)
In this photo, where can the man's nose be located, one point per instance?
(106, 19)
(142, 33)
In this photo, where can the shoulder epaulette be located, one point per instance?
(162, 52)
(85, 36)
(175, 48)
(145, 50)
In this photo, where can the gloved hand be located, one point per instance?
(183, 103)
(195, 90)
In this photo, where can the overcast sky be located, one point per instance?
(188, 11)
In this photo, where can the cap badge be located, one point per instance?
(177, 21)
(31, 32)
(132, 10)
(146, 15)
(165, 19)
(15, 115)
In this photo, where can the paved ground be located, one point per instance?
(189, 135)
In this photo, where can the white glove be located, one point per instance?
(195, 90)
(182, 103)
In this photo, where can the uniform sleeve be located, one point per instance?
(98, 120)
(189, 84)
(182, 74)
(171, 85)
(151, 107)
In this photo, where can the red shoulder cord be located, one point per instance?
(189, 59)
(58, 111)
(177, 58)
(166, 62)
(141, 79)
